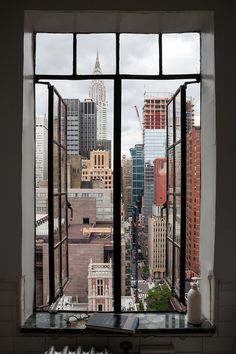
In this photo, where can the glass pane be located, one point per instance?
(63, 216)
(63, 170)
(64, 261)
(178, 117)
(170, 124)
(177, 268)
(56, 176)
(56, 221)
(57, 267)
(54, 53)
(181, 53)
(170, 230)
(170, 260)
(63, 124)
(171, 171)
(96, 53)
(56, 136)
(178, 168)
(139, 54)
(177, 219)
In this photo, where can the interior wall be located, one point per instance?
(12, 27)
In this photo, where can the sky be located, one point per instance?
(138, 55)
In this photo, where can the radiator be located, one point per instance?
(79, 350)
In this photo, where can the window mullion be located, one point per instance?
(51, 196)
(160, 54)
(183, 194)
(117, 185)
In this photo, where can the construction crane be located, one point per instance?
(140, 122)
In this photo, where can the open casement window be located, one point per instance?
(57, 194)
(176, 192)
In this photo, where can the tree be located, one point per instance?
(145, 272)
(158, 298)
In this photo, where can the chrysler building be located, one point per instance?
(97, 92)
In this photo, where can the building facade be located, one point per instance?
(100, 289)
(137, 157)
(74, 171)
(160, 181)
(154, 146)
(97, 168)
(73, 106)
(193, 189)
(87, 127)
(126, 166)
(157, 243)
(154, 110)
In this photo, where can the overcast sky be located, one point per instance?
(139, 55)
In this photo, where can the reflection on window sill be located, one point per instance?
(172, 324)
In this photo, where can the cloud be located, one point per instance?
(139, 54)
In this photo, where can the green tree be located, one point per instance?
(145, 272)
(158, 298)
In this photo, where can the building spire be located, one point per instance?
(97, 68)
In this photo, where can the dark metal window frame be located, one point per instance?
(172, 193)
(117, 78)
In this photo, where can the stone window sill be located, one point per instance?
(169, 324)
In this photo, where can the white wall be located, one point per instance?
(13, 154)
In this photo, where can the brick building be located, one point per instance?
(193, 168)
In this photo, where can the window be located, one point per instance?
(100, 287)
(139, 193)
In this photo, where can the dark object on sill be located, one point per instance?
(120, 323)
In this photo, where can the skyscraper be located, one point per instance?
(154, 110)
(137, 173)
(97, 92)
(72, 126)
(154, 124)
(126, 165)
(87, 127)
(157, 223)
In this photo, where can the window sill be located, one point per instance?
(169, 324)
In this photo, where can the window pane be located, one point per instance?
(63, 216)
(56, 118)
(170, 261)
(177, 117)
(177, 219)
(63, 170)
(57, 279)
(181, 53)
(177, 268)
(139, 54)
(56, 221)
(178, 168)
(171, 171)
(54, 53)
(170, 233)
(170, 124)
(56, 180)
(96, 53)
(64, 261)
(63, 124)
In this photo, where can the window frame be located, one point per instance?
(117, 78)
